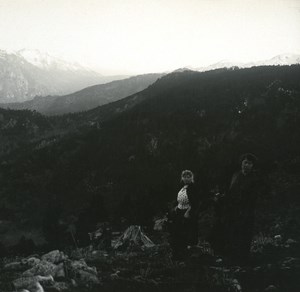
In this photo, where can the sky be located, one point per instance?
(143, 36)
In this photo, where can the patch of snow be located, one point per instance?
(283, 59)
(48, 62)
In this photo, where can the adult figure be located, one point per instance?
(183, 218)
(236, 212)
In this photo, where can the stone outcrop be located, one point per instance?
(53, 270)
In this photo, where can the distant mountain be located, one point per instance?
(87, 98)
(26, 74)
(221, 64)
(47, 62)
(283, 59)
(182, 69)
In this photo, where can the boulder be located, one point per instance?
(60, 271)
(36, 287)
(76, 266)
(278, 237)
(81, 273)
(237, 286)
(14, 266)
(54, 257)
(31, 281)
(31, 261)
(87, 278)
(271, 288)
(290, 241)
(43, 268)
(58, 287)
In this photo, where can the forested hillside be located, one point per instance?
(86, 98)
(124, 159)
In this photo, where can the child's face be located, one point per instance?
(187, 179)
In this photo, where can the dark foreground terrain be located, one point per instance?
(275, 266)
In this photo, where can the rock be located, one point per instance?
(27, 282)
(290, 241)
(36, 287)
(14, 266)
(278, 237)
(43, 268)
(75, 266)
(271, 288)
(45, 279)
(277, 227)
(31, 262)
(236, 285)
(289, 260)
(24, 282)
(237, 270)
(60, 271)
(22, 265)
(58, 287)
(54, 257)
(73, 283)
(81, 273)
(215, 268)
(77, 254)
(87, 278)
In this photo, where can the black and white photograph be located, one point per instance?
(149, 145)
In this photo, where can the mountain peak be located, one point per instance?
(183, 69)
(29, 73)
(46, 61)
(282, 59)
(286, 59)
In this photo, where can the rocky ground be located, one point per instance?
(136, 265)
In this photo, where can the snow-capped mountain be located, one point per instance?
(47, 62)
(283, 59)
(26, 74)
(221, 64)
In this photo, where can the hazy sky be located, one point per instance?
(139, 36)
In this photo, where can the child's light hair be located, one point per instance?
(188, 173)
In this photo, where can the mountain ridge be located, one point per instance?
(282, 59)
(87, 98)
(21, 80)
